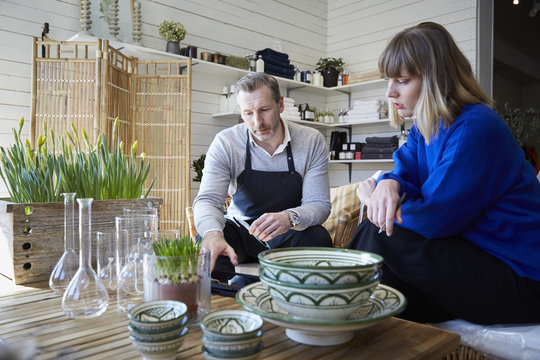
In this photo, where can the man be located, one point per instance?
(277, 174)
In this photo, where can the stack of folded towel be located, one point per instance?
(276, 63)
(290, 112)
(380, 147)
(364, 111)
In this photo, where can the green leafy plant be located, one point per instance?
(525, 124)
(177, 260)
(198, 165)
(89, 170)
(330, 63)
(172, 31)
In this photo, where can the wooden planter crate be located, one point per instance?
(32, 235)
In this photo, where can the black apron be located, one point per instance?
(259, 192)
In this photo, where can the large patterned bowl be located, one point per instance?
(319, 302)
(324, 266)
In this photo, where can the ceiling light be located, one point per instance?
(516, 2)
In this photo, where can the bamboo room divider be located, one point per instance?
(89, 84)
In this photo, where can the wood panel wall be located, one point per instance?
(305, 29)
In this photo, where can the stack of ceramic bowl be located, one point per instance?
(319, 283)
(157, 328)
(231, 334)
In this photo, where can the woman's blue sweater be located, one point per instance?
(473, 180)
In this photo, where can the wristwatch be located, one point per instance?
(294, 218)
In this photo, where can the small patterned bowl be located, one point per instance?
(163, 350)
(325, 266)
(231, 325)
(328, 303)
(157, 337)
(157, 316)
(232, 348)
(210, 356)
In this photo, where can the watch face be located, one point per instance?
(294, 218)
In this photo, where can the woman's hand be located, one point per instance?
(381, 205)
(365, 190)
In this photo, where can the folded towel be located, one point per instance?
(382, 140)
(280, 74)
(375, 156)
(369, 149)
(269, 51)
(277, 68)
(268, 59)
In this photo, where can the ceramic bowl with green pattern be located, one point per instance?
(323, 266)
(163, 350)
(158, 336)
(232, 348)
(231, 325)
(157, 316)
(319, 302)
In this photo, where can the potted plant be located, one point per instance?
(173, 33)
(198, 166)
(525, 126)
(36, 177)
(178, 270)
(330, 68)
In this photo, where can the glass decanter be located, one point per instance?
(86, 295)
(68, 264)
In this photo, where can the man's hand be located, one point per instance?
(270, 225)
(215, 242)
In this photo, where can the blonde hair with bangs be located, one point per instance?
(448, 83)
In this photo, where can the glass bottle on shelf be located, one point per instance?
(86, 296)
(67, 265)
(297, 75)
(260, 64)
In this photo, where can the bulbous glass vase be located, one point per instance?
(86, 296)
(68, 264)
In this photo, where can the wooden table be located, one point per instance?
(36, 312)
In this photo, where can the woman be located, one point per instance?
(466, 241)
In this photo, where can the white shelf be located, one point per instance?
(228, 115)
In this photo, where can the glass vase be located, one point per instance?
(134, 237)
(86, 296)
(182, 278)
(68, 264)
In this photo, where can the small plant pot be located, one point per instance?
(330, 77)
(181, 278)
(173, 47)
(188, 293)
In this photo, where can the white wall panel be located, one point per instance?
(305, 29)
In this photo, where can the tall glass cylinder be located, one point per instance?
(85, 296)
(106, 259)
(67, 265)
(134, 237)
